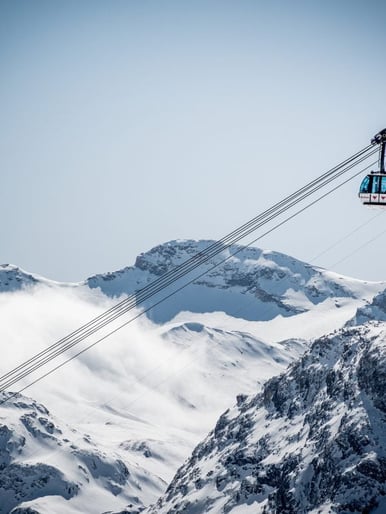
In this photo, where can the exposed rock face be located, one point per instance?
(311, 439)
(277, 284)
(28, 435)
(243, 282)
(373, 310)
(314, 439)
(13, 278)
(21, 480)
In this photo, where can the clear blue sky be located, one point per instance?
(125, 124)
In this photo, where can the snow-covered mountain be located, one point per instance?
(13, 278)
(40, 457)
(131, 409)
(373, 310)
(248, 283)
(312, 441)
(146, 396)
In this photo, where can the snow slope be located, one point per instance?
(372, 310)
(43, 458)
(312, 441)
(248, 283)
(146, 407)
(13, 278)
(146, 396)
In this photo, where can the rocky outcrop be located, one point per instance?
(374, 310)
(314, 439)
(243, 282)
(13, 278)
(29, 435)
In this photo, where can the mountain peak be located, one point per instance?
(244, 282)
(186, 373)
(313, 439)
(13, 278)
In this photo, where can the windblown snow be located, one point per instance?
(108, 431)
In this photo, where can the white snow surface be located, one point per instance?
(313, 440)
(148, 394)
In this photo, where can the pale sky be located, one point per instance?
(125, 124)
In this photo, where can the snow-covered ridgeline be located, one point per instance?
(48, 466)
(248, 283)
(148, 397)
(314, 439)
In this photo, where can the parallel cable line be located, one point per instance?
(49, 372)
(178, 272)
(359, 248)
(347, 236)
(135, 300)
(143, 294)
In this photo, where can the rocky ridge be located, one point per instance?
(374, 310)
(72, 463)
(232, 354)
(13, 278)
(243, 282)
(247, 283)
(314, 439)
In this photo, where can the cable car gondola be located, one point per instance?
(372, 191)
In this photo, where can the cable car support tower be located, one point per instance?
(372, 191)
(380, 139)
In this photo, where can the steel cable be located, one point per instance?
(178, 272)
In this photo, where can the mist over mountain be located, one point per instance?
(108, 431)
(243, 282)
